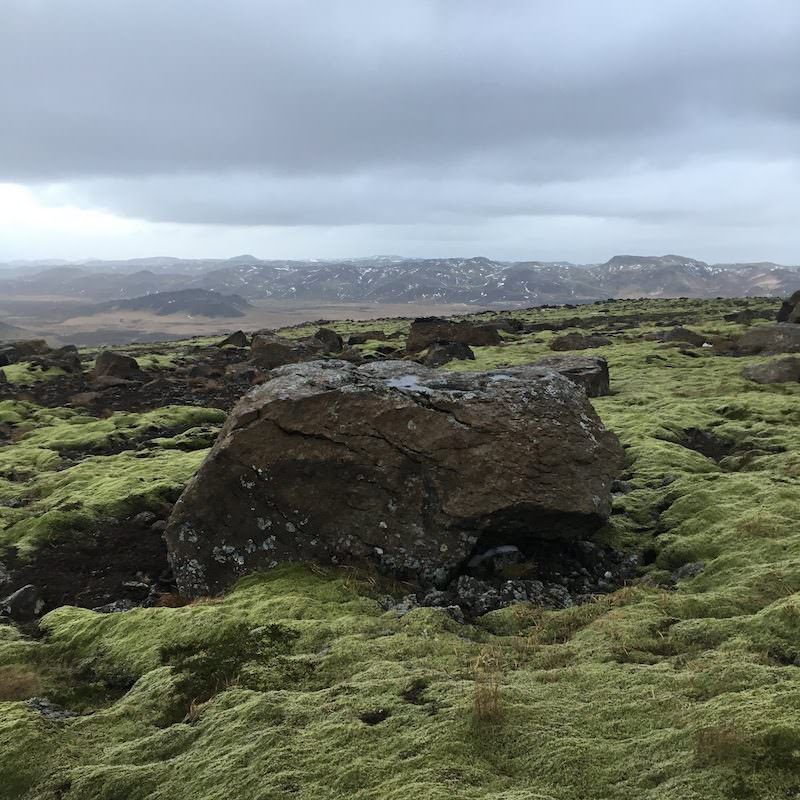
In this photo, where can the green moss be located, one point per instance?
(24, 373)
(43, 494)
(298, 684)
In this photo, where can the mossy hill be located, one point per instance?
(298, 684)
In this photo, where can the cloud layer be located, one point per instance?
(668, 118)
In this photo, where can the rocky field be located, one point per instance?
(549, 553)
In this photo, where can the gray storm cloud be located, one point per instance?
(436, 112)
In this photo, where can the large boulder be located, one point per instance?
(590, 372)
(425, 331)
(440, 353)
(790, 309)
(396, 464)
(780, 337)
(110, 364)
(777, 370)
(269, 350)
(578, 341)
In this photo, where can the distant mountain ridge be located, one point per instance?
(193, 302)
(394, 279)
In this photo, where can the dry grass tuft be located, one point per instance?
(18, 682)
(487, 704)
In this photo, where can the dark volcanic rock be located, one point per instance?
(779, 370)
(65, 358)
(425, 331)
(590, 372)
(685, 335)
(396, 464)
(236, 339)
(109, 364)
(12, 352)
(361, 337)
(781, 337)
(443, 352)
(578, 341)
(270, 350)
(790, 309)
(332, 341)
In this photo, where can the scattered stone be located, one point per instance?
(590, 372)
(790, 309)
(50, 710)
(236, 339)
(3, 377)
(159, 526)
(681, 334)
(778, 370)
(110, 364)
(440, 353)
(330, 339)
(24, 605)
(145, 518)
(117, 607)
(396, 464)
(425, 331)
(578, 341)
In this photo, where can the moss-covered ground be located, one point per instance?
(298, 685)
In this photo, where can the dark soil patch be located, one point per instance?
(126, 560)
(708, 444)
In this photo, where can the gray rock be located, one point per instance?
(780, 337)
(392, 463)
(24, 605)
(778, 370)
(691, 570)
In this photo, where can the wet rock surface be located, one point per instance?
(396, 465)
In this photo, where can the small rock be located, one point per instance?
(50, 710)
(24, 605)
(236, 339)
(691, 570)
(440, 353)
(145, 518)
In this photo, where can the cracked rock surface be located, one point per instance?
(393, 463)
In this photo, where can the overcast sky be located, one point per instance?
(515, 129)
